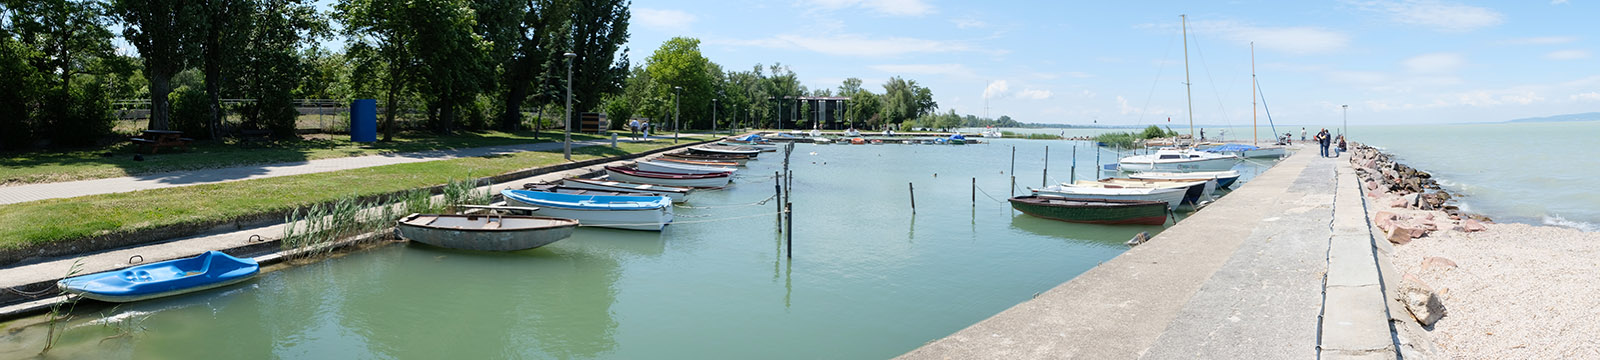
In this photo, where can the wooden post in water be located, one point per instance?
(1043, 179)
(1075, 166)
(913, 189)
(1013, 170)
(788, 210)
(777, 194)
(974, 192)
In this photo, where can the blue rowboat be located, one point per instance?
(172, 277)
(650, 213)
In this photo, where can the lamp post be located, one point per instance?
(676, 90)
(713, 116)
(1346, 120)
(566, 122)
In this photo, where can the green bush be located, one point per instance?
(86, 118)
(190, 111)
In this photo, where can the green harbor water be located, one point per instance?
(869, 279)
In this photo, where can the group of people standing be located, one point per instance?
(1326, 140)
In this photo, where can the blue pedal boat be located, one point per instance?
(172, 277)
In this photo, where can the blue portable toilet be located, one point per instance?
(364, 120)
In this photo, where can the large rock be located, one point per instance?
(1384, 220)
(1435, 262)
(1472, 226)
(1420, 300)
(1399, 235)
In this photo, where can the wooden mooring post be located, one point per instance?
(974, 192)
(1044, 178)
(777, 194)
(1075, 166)
(913, 189)
(788, 210)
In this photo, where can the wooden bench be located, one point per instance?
(154, 140)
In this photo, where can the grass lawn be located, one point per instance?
(52, 221)
(44, 167)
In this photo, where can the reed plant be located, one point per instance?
(61, 311)
(313, 230)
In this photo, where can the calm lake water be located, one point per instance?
(1538, 173)
(869, 280)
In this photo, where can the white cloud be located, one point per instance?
(1034, 94)
(854, 45)
(662, 19)
(1079, 74)
(995, 89)
(1558, 2)
(886, 7)
(969, 23)
(1542, 40)
(1436, 63)
(1567, 55)
(1357, 77)
(1438, 15)
(1588, 96)
(1294, 40)
(925, 69)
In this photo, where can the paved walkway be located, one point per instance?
(26, 193)
(1242, 279)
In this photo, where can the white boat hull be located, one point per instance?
(512, 234)
(677, 195)
(1266, 152)
(715, 182)
(1135, 163)
(676, 168)
(642, 219)
(1173, 197)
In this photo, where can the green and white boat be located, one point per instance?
(1093, 211)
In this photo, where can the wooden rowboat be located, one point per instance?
(650, 213)
(484, 232)
(211, 269)
(656, 178)
(740, 159)
(678, 194)
(1092, 211)
(699, 162)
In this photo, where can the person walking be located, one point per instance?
(633, 129)
(1302, 134)
(645, 129)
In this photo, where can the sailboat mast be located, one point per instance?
(1188, 93)
(1254, 137)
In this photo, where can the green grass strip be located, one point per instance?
(54, 221)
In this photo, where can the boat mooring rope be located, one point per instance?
(986, 194)
(758, 203)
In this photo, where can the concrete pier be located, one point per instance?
(1281, 268)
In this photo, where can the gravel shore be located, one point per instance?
(1509, 291)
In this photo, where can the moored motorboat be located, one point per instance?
(741, 159)
(699, 162)
(485, 232)
(656, 178)
(208, 270)
(1195, 191)
(721, 149)
(678, 194)
(650, 213)
(1178, 160)
(1225, 179)
(1093, 211)
(957, 139)
(558, 188)
(679, 168)
(1173, 197)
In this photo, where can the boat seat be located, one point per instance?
(492, 224)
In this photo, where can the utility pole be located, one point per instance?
(566, 145)
(676, 90)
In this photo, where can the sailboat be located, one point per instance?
(1254, 150)
(1181, 160)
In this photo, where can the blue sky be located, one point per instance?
(1121, 62)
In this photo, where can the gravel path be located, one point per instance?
(1518, 292)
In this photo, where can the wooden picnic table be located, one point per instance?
(157, 139)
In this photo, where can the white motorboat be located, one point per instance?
(1225, 179)
(1249, 151)
(1172, 197)
(1174, 160)
(1195, 191)
(720, 149)
(650, 213)
(678, 194)
(681, 168)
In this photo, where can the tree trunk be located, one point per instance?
(447, 114)
(160, 107)
(213, 69)
(390, 106)
(516, 91)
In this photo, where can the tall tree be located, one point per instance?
(598, 28)
(265, 64)
(222, 31)
(535, 41)
(164, 32)
(452, 62)
(678, 63)
(381, 42)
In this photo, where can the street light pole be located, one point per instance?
(566, 123)
(676, 90)
(1346, 120)
(713, 116)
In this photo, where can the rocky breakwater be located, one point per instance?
(1417, 205)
